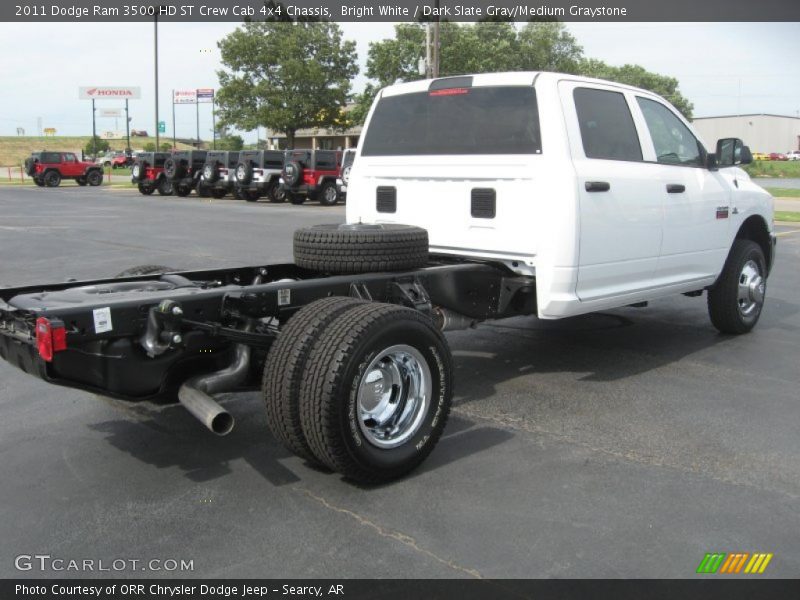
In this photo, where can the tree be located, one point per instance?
(285, 76)
(639, 77)
(150, 147)
(490, 46)
(99, 145)
(230, 142)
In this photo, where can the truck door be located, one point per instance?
(70, 166)
(696, 200)
(620, 205)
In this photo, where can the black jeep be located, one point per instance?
(184, 168)
(258, 174)
(217, 178)
(147, 173)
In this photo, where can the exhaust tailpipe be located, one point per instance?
(448, 320)
(196, 393)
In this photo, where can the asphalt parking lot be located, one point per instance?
(622, 444)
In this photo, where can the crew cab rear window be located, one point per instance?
(472, 120)
(607, 128)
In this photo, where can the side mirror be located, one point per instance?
(731, 152)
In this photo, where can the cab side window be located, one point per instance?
(69, 157)
(674, 143)
(606, 124)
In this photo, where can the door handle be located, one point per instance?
(675, 188)
(597, 186)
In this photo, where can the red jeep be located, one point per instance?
(49, 168)
(311, 174)
(148, 173)
(120, 161)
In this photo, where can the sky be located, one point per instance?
(723, 68)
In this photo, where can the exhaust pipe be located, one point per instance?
(448, 320)
(195, 393)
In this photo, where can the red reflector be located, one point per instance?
(308, 178)
(449, 92)
(50, 338)
(44, 339)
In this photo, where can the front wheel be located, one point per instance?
(146, 190)
(276, 193)
(165, 187)
(81, 181)
(737, 298)
(328, 194)
(377, 392)
(94, 178)
(182, 190)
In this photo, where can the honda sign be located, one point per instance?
(103, 93)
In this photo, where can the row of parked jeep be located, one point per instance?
(293, 175)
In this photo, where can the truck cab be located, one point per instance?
(601, 191)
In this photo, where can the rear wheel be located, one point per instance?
(218, 193)
(94, 178)
(38, 181)
(377, 392)
(737, 298)
(146, 190)
(182, 190)
(285, 369)
(252, 195)
(52, 179)
(296, 199)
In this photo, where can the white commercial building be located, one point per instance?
(762, 133)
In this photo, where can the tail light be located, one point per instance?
(39, 168)
(308, 178)
(51, 337)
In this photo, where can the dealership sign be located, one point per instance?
(104, 93)
(205, 95)
(184, 96)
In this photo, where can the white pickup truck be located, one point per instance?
(601, 191)
(471, 198)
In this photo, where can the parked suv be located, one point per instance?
(348, 156)
(148, 173)
(601, 191)
(258, 173)
(49, 168)
(184, 168)
(311, 174)
(217, 178)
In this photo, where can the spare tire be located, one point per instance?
(292, 173)
(211, 171)
(174, 168)
(138, 170)
(361, 248)
(244, 172)
(30, 168)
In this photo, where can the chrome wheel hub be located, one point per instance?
(393, 396)
(752, 288)
(330, 194)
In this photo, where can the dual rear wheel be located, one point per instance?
(362, 388)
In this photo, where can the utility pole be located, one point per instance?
(127, 126)
(428, 65)
(435, 70)
(174, 139)
(94, 132)
(197, 109)
(155, 37)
